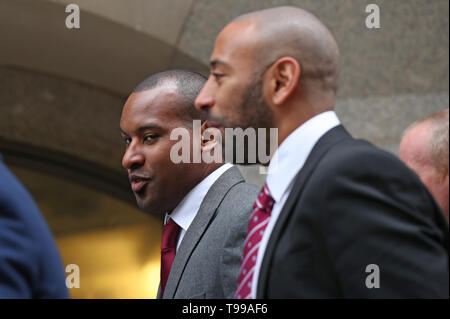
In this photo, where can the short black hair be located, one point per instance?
(189, 85)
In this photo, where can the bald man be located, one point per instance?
(337, 217)
(424, 148)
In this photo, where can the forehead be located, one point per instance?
(416, 143)
(156, 105)
(418, 135)
(235, 44)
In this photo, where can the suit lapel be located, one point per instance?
(323, 145)
(158, 294)
(202, 220)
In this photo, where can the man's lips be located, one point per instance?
(138, 182)
(214, 124)
(137, 186)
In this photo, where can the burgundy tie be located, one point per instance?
(168, 250)
(259, 219)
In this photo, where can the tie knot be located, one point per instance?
(264, 201)
(169, 235)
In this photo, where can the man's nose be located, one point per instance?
(132, 158)
(205, 99)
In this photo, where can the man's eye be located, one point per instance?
(217, 76)
(127, 140)
(150, 138)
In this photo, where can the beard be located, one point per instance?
(260, 113)
(249, 111)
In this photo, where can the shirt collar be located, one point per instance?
(291, 155)
(187, 209)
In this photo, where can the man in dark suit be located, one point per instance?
(338, 217)
(30, 265)
(206, 204)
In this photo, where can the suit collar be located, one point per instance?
(199, 225)
(324, 144)
(186, 210)
(290, 157)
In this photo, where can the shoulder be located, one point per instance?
(235, 194)
(21, 221)
(246, 192)
(30, 247)
(17, 205)
(358, 153)
(357, 174)
(364, 161)
(239, 199)
(234, 212)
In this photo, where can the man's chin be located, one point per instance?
(218, 119)
(149, 206)
(150, 209)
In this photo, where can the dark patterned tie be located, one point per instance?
(168, 250)
(259, 219)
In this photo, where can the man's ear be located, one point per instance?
(446, 181)
(210, 137)
(284, 76)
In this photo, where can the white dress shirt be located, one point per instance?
(188, 208)
(291, 156)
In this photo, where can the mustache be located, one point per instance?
(215, 121)
(138, 176)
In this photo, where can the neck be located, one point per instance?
(297, 112)
(209, 168)
(200, 175)
(290, 123)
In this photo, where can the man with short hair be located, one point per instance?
(207, 205)
(338, 217)
(424, 148)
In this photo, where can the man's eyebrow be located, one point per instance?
(217, 62)
(149, 127)
(122, 131)
(144, 128)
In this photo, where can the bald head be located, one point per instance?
(294, 32)
(433, 130)
(425, 149)
(271, 68)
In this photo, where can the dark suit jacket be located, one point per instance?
(353, 205)
(208, 260)
(30, 265)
